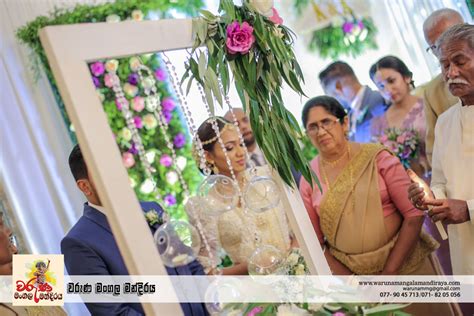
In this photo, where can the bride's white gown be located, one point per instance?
(231, 231)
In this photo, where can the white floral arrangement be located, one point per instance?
(295, 263)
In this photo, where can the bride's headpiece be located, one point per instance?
(196, 147)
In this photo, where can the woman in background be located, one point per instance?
(395, 81)
(363, 217)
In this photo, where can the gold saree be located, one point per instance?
(356, 231)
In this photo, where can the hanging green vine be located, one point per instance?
(256, 51)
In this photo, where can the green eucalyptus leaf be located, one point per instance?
(211, 79)
(202, 65)
(208, 15)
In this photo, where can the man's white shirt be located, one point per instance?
(453, 178)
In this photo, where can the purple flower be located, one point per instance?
(361, 25)
(97, 68)
(133, 79)
(168, 116)
(168, 104)
(179, 140)
(133, 149)
(170, 200)
(96, 82)
(138, 121)
(347, 27)
(166, 161)
(160, 74)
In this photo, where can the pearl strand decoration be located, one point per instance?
(154, 103)
(252, 165)
(207, 171)
(171, 69)
(127, 115)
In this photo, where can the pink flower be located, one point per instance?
(138, 121)
(255, 311)
(138, 103)
(109, 80)
(338, 314)
(168, 104)
(276, 18)
(160, 74)
(239, 38)
(128, 160)
(97, 68)
(401, 139)
(383, 138)
(166, 161)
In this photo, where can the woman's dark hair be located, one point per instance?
(330, 104)
(392, 62)
(206, 132)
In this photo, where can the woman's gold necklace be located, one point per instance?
(351, 172)
(333, 164)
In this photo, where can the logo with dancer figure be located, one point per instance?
(38, 280)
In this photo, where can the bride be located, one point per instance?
(233, 230)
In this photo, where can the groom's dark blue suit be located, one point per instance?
(89, 248)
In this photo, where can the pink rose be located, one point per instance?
(97, 68)
(383, 139)
(276, 18)
(138, 103)
(109, 80)
(128, 160)
(401, 139)
(239, 38)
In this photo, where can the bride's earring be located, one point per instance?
(213, 167)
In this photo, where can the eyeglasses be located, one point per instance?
(13, 241)
(431, 48)
(326, 124)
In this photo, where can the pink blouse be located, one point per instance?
(393, 184)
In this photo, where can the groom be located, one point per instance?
(90, 248)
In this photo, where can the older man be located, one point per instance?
(437, 97)
(453, 154)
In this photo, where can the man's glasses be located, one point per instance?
(326, 124)
(431, 48)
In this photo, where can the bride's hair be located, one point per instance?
(207, 136)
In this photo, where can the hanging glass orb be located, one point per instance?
(178, 243)
(220, 291)
(266, 260)
(261, 194)
(220, 192)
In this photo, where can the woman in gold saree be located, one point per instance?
(363, 217)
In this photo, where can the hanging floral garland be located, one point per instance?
(346, 33)
(249, 45)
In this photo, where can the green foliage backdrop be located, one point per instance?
(159, 155)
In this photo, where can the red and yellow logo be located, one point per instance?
(38, 280)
